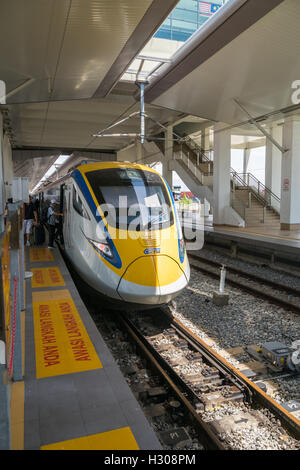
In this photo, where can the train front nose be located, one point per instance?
(152, 280)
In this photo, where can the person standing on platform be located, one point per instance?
(52, 222)
(30, 218)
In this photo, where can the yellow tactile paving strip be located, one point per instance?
(47, 277)
(118, 439)
(62, 343)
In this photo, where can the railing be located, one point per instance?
(184, 150)
(197, 149)
(263, 194)
(203, 177)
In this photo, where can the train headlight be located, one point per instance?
(102, 247)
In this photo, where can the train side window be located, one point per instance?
(78, 206)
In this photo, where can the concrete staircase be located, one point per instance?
(195, 172)
(256, 213)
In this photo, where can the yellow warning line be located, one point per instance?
(17, 416)
(118, 439)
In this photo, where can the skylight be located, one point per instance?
(186, 18)
(59, 162)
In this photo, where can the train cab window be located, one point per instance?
(78, 205)
(147, 202)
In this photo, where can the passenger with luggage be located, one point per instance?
(52, 222)
(30, 218)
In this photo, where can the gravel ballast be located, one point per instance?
(247, 320)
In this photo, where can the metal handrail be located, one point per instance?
(198, 149)
(257, 188)
(246, 180)
(260, 185)
(241, 182)
(261, 188)
(199, 161)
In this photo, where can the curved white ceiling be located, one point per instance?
(68, 47)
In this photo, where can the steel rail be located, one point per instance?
(209, 437)
(289, 421)
(253, 393)
(255, 277)
(248, 287)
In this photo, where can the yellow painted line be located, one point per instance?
(40, 254)
(118, 439)
(62, 343)
(23, 340)
(47, 277)
(17, 416)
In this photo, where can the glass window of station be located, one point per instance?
(188, 17)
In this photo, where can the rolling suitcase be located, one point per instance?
(39, 235)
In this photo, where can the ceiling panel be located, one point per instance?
(71, 124)
(67, 47)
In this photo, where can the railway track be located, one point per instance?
(280, 294)
(204, 382)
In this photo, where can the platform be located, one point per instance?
(288, 241)
(73, 395)
(266, 236)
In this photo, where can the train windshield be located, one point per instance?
(132, 199)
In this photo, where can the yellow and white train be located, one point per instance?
(121, 232)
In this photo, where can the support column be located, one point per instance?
(221, 181)
(166, 172)
(205, 143)
(274, 162)
(246, 158)
(206, 207)
(290, 175)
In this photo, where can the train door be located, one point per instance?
(61, 210)
(67, 215)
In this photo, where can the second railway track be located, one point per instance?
(273, 291)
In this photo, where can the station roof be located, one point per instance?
(61, 61)
(249, 51)
(72, 49)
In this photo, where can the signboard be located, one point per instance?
(62, 343)
(20, 189)
(286, 184)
